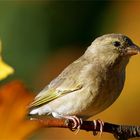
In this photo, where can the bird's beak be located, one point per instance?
(132, 50)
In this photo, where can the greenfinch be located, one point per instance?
(91, 83)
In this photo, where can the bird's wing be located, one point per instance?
(52, 94)
(63, 84)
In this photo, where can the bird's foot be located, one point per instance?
(75, 123)
(101, 125)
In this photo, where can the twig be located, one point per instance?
(120, 132)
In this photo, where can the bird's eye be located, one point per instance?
(116, 43)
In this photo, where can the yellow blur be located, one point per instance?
(5, 69)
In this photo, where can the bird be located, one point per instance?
(90, 84)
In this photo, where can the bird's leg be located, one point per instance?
(76, 122)
(101, 123)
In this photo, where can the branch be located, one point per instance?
(120, 132)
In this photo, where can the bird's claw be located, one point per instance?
(101, 123)
(75, 123)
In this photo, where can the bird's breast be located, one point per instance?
(108, 87)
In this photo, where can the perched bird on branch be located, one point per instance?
(90, 84)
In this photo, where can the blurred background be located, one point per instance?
(40, 38)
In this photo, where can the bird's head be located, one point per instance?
(112, 47)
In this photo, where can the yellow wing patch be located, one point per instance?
(52, 94)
